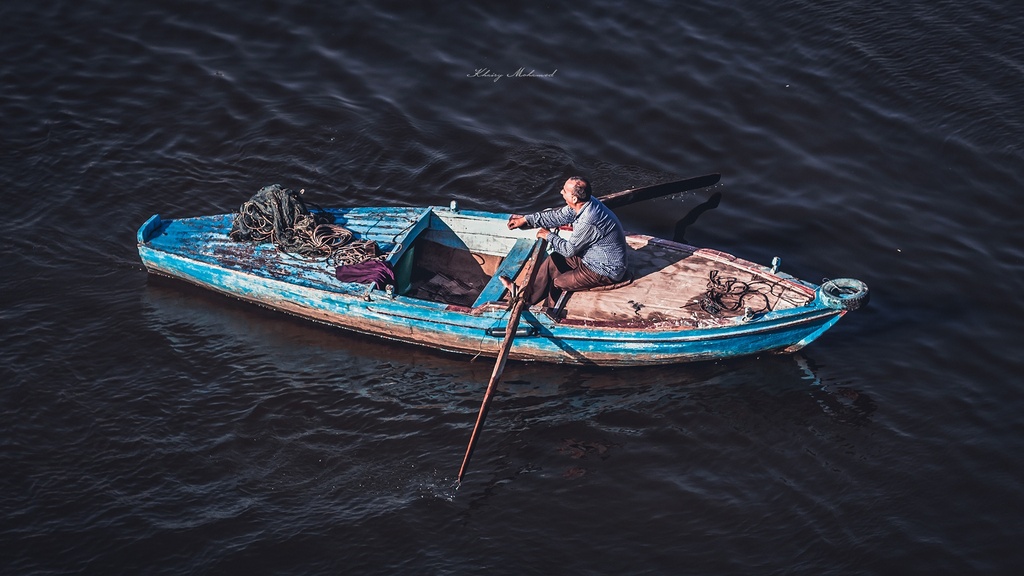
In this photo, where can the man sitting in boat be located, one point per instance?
(594, 256)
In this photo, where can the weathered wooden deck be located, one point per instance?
(669, 280)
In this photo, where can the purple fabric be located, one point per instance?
(375, 271)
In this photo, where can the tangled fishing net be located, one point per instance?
(279, 215)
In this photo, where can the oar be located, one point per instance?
(619, 199)
(518, 303)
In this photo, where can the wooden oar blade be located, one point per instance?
(626, 197)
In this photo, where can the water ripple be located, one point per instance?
(152, 424)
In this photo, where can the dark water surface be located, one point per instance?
(148, 427)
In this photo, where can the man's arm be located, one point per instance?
(552, 218)
(582, 238)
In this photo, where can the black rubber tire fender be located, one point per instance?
(844, 293)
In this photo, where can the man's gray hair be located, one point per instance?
(580, 188)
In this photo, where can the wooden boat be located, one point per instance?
(447, 294)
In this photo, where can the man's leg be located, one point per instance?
(558, 273)
(579, 277)
(542, 284)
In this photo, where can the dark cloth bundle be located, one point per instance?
(376, 271)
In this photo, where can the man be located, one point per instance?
(594, 256)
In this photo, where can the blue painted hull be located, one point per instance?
(196, 250)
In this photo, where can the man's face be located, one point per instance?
(567, 192)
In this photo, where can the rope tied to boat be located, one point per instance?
(730, 294)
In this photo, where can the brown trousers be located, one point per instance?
(557, 274)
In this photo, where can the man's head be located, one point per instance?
(576, 190)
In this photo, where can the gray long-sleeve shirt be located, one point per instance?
(597, 238)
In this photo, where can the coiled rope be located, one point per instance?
(279, 215)
(730, 295)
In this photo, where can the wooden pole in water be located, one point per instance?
(518, 303)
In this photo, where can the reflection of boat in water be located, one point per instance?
(192, 318)
(843, 403)
(682, 303)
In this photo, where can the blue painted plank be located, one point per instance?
(509, 267)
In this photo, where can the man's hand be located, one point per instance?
(517, 221)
